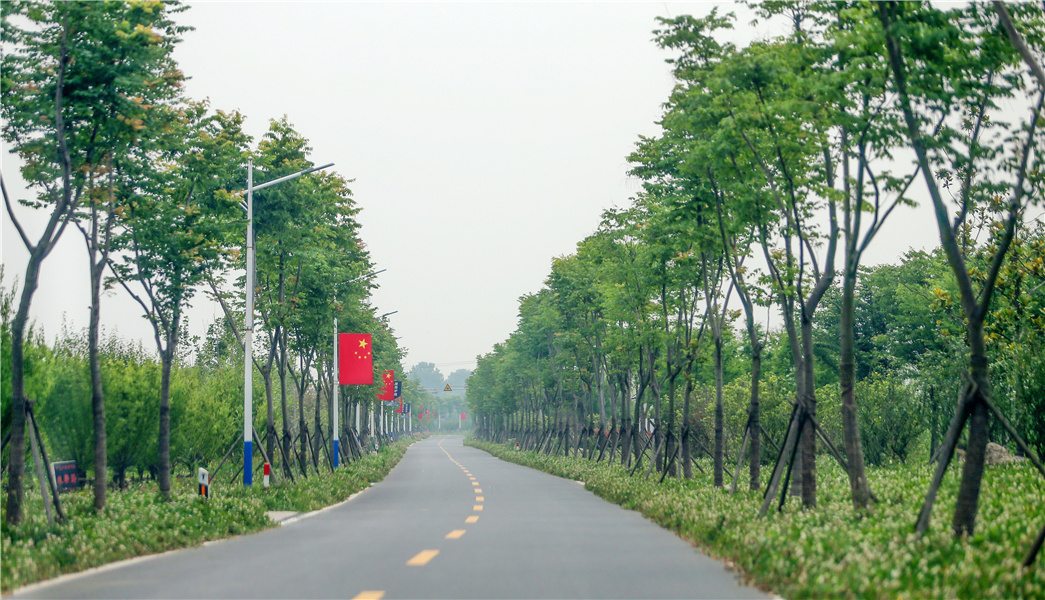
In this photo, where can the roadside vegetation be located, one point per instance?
(137, 521)
(832, 551)
(110, 147)
(728, 327)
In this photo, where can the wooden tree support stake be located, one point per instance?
(656, 453)
(740, 457)
(790, 442)
(1035, 547)
(235, 443)
(949, 444)
(31, 420)
(638, 459)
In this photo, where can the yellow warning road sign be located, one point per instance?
(447, 388)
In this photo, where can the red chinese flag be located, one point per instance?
(355, 359)
(388, 391)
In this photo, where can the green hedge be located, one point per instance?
(832, 551)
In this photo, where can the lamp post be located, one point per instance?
(335, 437)
(248, 321)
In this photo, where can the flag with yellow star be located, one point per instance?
(355, 359)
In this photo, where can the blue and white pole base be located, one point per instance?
(336, 456)
(248, 463)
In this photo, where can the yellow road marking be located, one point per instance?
(477, 507)
(456, 533)
(477, 491)
(472, 478)
(422, 558)
(475, 483)
(480, 498)
(472, 519)
(370, 595)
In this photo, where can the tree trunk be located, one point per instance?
(754, 413)
(270, 423)
(808, 439)
(858, 485)
(687, 442)
(287, 440)
(97, 398)
(964, 521)
(167, 359)
(16, 466)
(719, 416)
(301, 429)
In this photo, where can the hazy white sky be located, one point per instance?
(484, 140)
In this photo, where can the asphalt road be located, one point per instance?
(448, 522)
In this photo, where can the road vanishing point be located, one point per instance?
(449, 521)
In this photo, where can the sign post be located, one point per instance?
(204, 478)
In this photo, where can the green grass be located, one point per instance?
(832, 551)
(137, 521)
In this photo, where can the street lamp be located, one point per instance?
(248, 322)
(335, 438)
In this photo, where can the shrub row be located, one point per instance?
(832, 551)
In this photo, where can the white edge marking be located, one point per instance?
(32, 587)
(324, 509)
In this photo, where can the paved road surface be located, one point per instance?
(448, 522)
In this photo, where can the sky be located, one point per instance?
(484, 139)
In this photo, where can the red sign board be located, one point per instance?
(463, 416)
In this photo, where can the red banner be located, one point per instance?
(355, 359)
(388, 390)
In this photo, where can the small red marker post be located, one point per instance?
(266, 474)
(204, 479)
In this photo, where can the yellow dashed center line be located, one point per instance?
(370, 595)
(428, 555)
(422, 558)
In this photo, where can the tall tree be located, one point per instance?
(180, 221)
(962, 59)
(75, 75)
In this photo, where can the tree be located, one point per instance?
(990, 162)
(74, 73)
(179, 225)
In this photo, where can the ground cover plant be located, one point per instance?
(137, 521)
(834, 551)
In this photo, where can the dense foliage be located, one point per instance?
(728, 311)
(108, 143)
